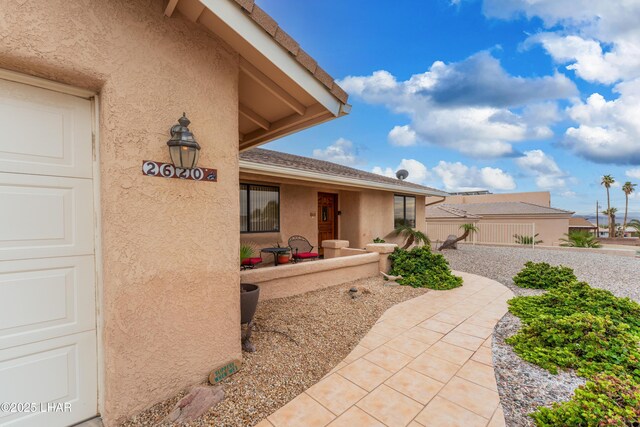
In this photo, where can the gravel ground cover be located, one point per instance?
(523, 386)
(298, 339)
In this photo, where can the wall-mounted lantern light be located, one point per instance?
(183, 148)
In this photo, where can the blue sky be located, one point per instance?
(504, 95)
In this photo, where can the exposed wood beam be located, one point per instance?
(171, 6)
(287, 131)
(254, 117)
(271, 86)
(312, 112)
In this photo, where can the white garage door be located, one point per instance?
(48, 368)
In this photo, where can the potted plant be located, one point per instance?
(283, 258)
(249, 294)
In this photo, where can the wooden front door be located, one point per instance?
(327, 218)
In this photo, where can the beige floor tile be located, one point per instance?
(463, 340)
(336, 393)
(404, 321)
(387, 329)
(498, 418)
(415, 424)
(264, 423)
(424, 335)
(434, 367)
(373, 340)
(449, 352)
(474, 330)
(478, 373)
(365, 374)
(408, 346)
(443, 413)
(356, 417)
(356, 353)
(301, 411)
(452, 319)
(388, 358)
(483, 355)
(390, 407)
(471, 396)
(436, 325)
(417, 386)
(487, 342)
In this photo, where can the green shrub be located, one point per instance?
(421, 268)
(543, 276)
(578, 297)
(378, 240)
(582, 341)
(605, 401)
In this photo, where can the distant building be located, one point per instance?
(577, 223)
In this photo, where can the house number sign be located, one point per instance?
(167, 170)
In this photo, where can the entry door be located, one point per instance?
(327, 218)
(47, 265)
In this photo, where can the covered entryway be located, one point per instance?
(47, 257)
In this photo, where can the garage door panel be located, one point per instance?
(54, 371)
(45, 216)
(45, 298)
(44, 132)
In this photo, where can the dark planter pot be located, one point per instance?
(248, 301)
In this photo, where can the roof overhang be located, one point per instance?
(317, 177)
(278, 95)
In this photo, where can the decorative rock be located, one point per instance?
(450, 243)
(198, 401)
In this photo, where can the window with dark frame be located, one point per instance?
(404, 211)
(259, 208)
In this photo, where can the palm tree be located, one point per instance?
(628, 188)
(611, 213)
(580, 239)
(467, 230)
(635, 224)
(608, 181)
(411, 236)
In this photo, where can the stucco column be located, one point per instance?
(384, 249)
(332, 247)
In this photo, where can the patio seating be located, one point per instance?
(301, 249)
(249, 263)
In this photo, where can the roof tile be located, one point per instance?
(306, 61)
(276, 158)
(264, 20)
(246, 4)
(324, 77)
(287, 41)
(450, 210)
(339, 93)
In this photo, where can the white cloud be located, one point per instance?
(342, 152)
(418, 172)
(468, 106)
(402, 136)
(459, 177)
(633, 173)
(607, 131)
(544, 168)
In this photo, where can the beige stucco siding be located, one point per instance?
(364, 214)
(170, 247)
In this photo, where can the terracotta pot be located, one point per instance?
(283, 259)
(248, 301)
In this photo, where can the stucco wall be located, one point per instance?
(294, 279)
(365, 214)
(170, 247)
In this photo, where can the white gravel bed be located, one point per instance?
(523, 386)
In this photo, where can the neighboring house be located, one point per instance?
(118, 290)
(499, 222)
(542, 198)
(581, 224)
(283, 195)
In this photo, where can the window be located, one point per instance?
(259, 208)
(404, 211)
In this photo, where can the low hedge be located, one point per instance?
(575, 326)
(543, 276)
(421, 268)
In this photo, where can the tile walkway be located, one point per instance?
(426, 362)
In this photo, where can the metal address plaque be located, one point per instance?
(167, 170)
